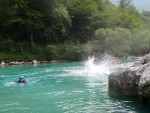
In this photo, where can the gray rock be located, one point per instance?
(15, 63)
(142, 60)
(132, 81)
(125, 81)
(147, 57)
(35, 62)
(3, 63)
(144, 83)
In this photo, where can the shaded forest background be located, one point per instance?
(70, 29)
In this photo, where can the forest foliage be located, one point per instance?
(66, 29)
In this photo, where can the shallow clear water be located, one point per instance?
(62, 88)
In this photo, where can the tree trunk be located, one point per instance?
(31, 39)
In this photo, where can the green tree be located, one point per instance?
(130, 17)
(83, 14)
(146, 18)
(140, 42)
(125, 3)
(23, 15)
(61, 23)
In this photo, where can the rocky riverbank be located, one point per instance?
(34, 62)
(132, 81)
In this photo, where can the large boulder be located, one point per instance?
(144, 84)
(132, 81)
(124, 82)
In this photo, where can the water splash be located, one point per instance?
(104, 65)
(94, 68)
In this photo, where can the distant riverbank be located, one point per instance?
(50, 53)
(34, 62)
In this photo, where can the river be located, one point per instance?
(75, 87)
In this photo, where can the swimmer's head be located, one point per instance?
(21, 77)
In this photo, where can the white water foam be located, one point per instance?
(10, 83)
(105, 66)
(90, 68)
(101, 68)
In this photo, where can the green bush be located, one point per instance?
(121, 41)
(140, 42)
(67, 51)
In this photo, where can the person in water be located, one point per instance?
(21, 80)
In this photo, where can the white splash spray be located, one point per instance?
(10, 83)
(93, 68)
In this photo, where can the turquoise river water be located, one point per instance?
(77, 87)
